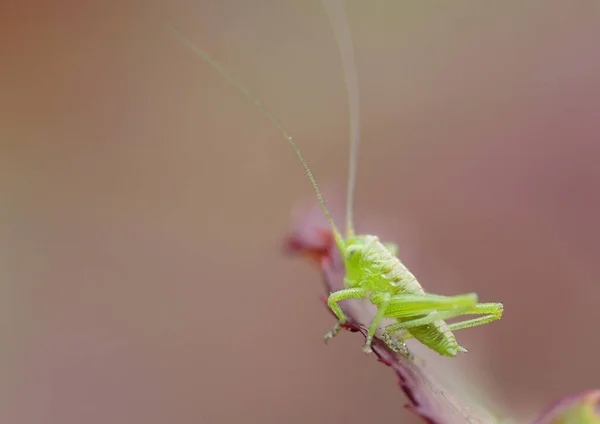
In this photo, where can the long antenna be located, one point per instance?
(206, 58)
(336, 13)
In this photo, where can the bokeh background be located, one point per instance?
(144, 202)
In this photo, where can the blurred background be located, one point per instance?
(144, 203)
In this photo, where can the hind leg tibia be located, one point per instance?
(492, 311)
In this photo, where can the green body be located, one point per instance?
(373, 272)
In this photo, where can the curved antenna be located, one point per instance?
(338, 19)
(206, 58)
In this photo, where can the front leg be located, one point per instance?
(332, 302)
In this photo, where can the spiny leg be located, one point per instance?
(425, 308)
(332, 302)
(381, 309)
(493, 312)
(424, 320)
(383, 301)
(406, 306)
(418, 305)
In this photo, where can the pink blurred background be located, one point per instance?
(144, 202)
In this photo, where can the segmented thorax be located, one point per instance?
(370, 264)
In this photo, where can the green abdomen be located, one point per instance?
(436, 336)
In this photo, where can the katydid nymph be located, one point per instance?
(373, 271)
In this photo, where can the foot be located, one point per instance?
(392, 344)
(367, 346)
(336, 329)
(397, 347)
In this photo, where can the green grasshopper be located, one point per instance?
(373, 270)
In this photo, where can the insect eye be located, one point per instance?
(352, 252)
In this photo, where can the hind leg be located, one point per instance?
(492, 311)
(412, 306)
